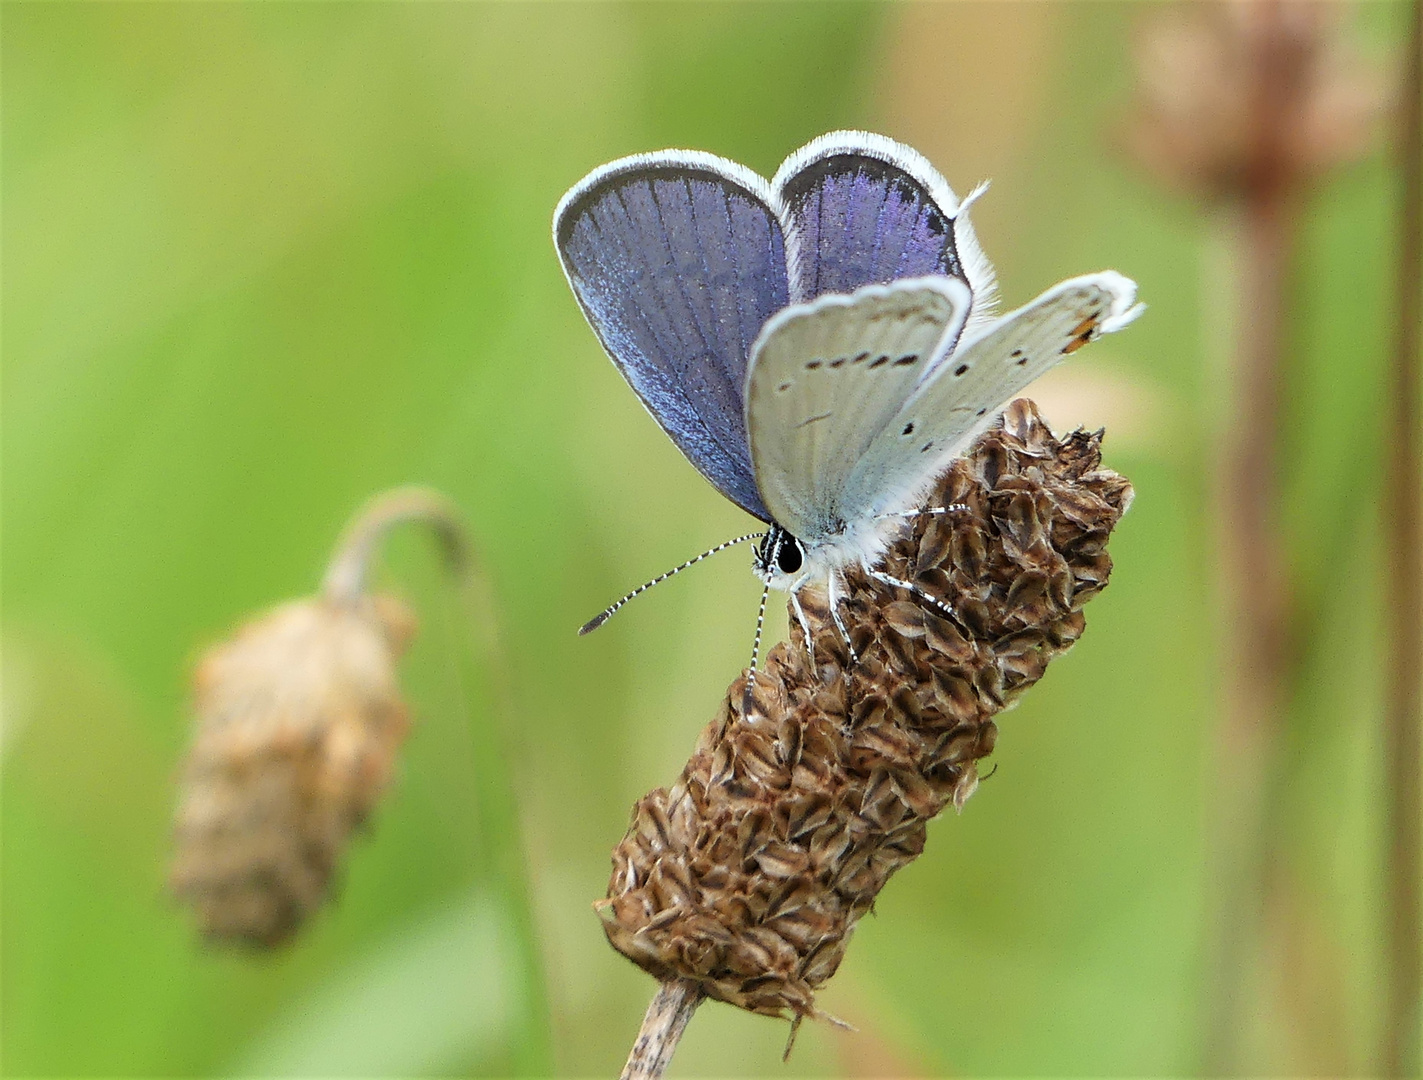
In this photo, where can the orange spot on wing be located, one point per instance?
(1081, 335)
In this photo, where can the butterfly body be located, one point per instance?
(820, 345)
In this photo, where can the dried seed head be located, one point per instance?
(1234, 95)
(299, 718)
(814, 784)
(298, 721)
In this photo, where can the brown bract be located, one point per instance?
(815, 782)
(299, 718)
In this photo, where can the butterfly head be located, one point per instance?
(780, 559)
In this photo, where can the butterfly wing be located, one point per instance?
(678, 260)
(826, 376)
(963, 391)
(860, 208)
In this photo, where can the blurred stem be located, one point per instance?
(350, 567)
(485, 681)
(1252, 550)
(667, 1017)
(1403, 531)
(482, 671)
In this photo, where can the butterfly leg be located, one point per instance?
(832, 592)
(804, 626)
(952, 508)
(909, 586)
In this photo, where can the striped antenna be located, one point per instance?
(598, 620)
(760, 622)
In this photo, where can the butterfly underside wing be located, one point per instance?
(678, 261)
(826, 378)
(968, 387)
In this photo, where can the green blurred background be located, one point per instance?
(261, 261)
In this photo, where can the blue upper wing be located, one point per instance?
(862, 209)
(677, 260)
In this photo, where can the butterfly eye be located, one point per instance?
(788, 556)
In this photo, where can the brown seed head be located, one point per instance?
(299, 718)
(815, 782)
(1235, 95)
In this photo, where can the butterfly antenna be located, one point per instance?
(760, 622)
(598, 620)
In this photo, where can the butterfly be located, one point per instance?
(819, 345)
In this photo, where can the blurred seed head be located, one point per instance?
(1239, 93)
(816, 780)
(298, 720)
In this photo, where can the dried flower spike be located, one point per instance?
(813, 786)
(1245, 94)
(298, 722)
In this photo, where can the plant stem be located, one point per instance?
(1255, 586)
(667, 1016)
(350, 566)
(483, 686)
(1403, 538)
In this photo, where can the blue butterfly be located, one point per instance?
(819, 346)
